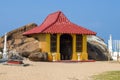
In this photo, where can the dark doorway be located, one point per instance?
(66, 47)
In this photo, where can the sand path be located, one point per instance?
(55, 71)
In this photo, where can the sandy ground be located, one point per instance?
(55, 71)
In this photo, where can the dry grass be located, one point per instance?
(109, 75)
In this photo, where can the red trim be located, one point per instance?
(70, 61)
(14, 62)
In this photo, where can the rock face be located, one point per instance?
(25, 45)
(97, 49)
(14, 56)
(38, 56)
(19, 43)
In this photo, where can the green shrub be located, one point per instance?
(0, 56)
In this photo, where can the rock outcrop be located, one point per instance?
(38, 56)
(97, 48)
(19, 43)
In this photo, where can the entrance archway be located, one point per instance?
(66, 47)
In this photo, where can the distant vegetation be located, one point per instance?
(110, 75)
(1, 49)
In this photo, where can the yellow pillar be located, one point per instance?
(48, 47)
(84, 55)
(74, 55)
(58, 47)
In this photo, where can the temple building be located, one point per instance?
(61, 39)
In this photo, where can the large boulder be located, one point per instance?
(38, 56)
(16, 41)
(97, 48)
(25, 54)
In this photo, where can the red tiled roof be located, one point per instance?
(58, 23)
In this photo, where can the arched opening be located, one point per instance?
(66, 47)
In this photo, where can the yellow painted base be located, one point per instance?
(84, 56)
(50, 58)
(74, 56)
(57, 56)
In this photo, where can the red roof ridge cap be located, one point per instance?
(58, 13)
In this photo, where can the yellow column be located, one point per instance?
(58, 47)
(74, 55)
(84, 55)
(48, 47)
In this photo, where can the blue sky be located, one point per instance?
(101, 16)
